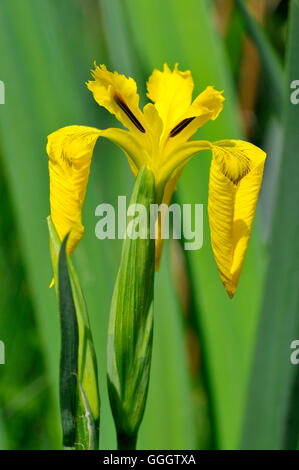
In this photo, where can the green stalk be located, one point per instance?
(125, 442)
(131, 319)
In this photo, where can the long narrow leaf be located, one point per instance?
(270, 62)
(69, 350)
(272, 400)
(85, 414)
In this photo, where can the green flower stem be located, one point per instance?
(125, 442)
(131, 318)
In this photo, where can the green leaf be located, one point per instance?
(116, 32)
(69, 350)
(88, 400)
(3, 435)
(131, 318)
(272, 414)
(90, 426)
(87, 403)
(270, 62)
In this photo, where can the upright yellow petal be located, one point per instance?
(155, 125)
(210, 100)
(171, 91)
(206, 106)
(118, 94)
(235, 180)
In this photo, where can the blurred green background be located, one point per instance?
(221, 373)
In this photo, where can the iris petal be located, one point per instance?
(166, 199)
(171, 91)
(118, 94)
(70, 151)
(207, 106)
(235, 180)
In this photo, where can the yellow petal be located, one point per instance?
(168, 177)
(118, 94)
(154, 123)
(129, 143)
(210, 100)
(235, 180)
(167, 196)
(206, 106)
(171, 91)
(70, 151)
(179, 156)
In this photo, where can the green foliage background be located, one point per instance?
(242, 393)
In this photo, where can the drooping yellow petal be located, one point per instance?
(118, 94)
(70, 151)
(235, 180)
(171, 91)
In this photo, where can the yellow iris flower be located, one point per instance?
(159, 137)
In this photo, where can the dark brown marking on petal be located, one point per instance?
(65, 158)
(179, 127)
(237, 180)
(129, 113)
(246, 167)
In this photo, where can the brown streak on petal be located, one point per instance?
(179, 127)
(128, 112)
